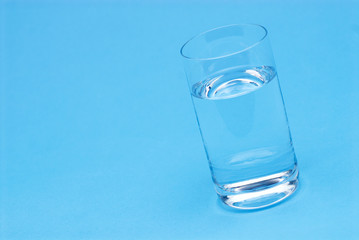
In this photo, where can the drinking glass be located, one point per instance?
(241, 115)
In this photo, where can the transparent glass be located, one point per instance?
(241, 115)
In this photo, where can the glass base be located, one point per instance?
(260, 192)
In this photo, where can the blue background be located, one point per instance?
(98, 134)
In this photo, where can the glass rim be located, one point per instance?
(226, 55)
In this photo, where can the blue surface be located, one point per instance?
(98, 134)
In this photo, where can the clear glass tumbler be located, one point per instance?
(241, 115)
